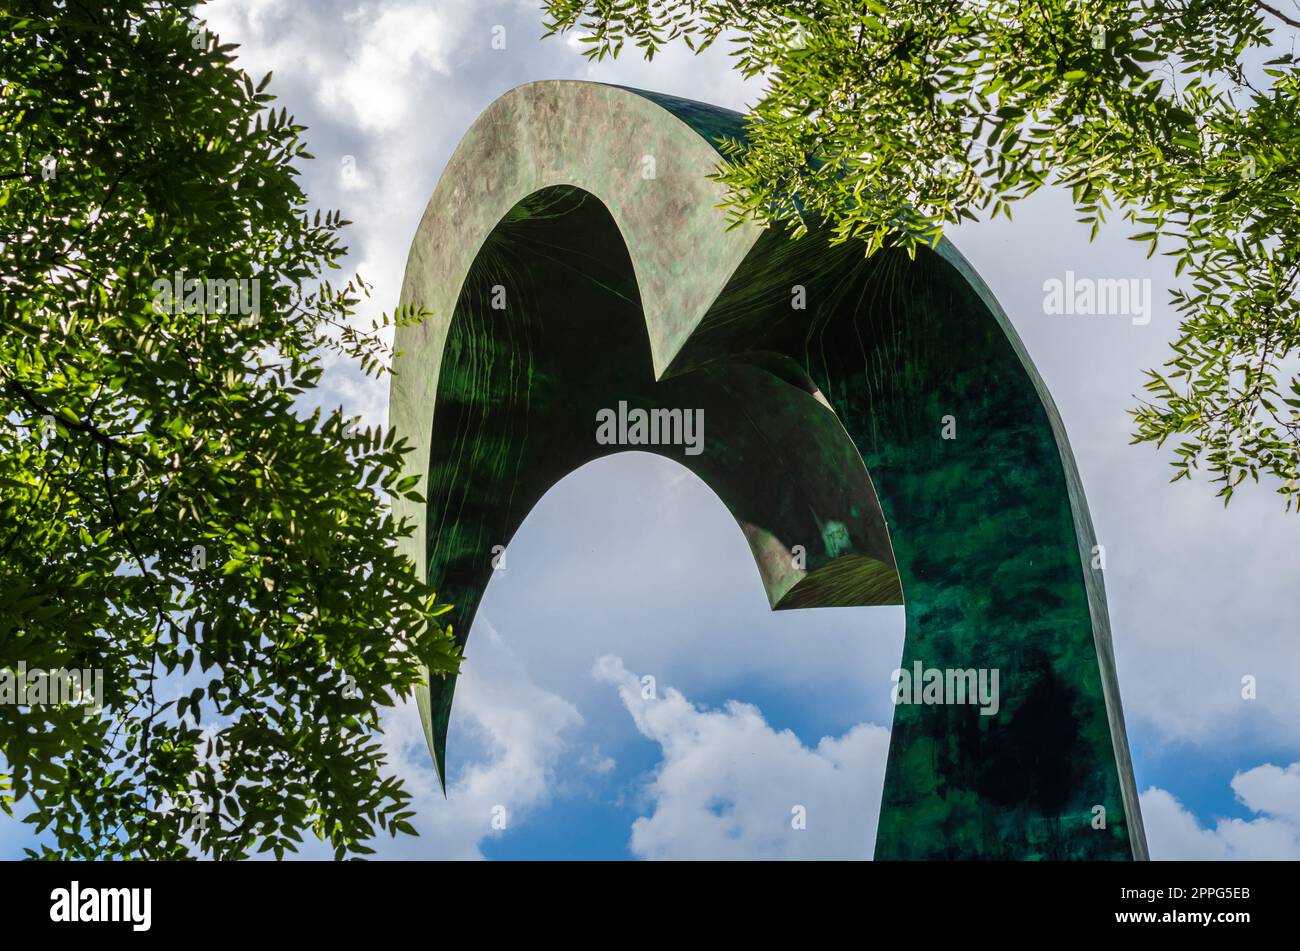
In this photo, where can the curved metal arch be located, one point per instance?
(625, 286)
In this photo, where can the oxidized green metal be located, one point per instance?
(565, 279)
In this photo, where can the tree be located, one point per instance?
(170, 518)
(886, 121)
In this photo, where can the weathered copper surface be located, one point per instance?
(565, 279)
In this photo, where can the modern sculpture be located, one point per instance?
(888, 443)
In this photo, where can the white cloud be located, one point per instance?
(394, 45)
(366, 65)
(729, 785)
(523, 731)
(1271, 791)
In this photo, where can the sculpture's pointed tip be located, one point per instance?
(440, 767)
(431, 705)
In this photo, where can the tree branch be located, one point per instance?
(104, 440)
(1277, 13)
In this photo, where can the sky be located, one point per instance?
(555, 750)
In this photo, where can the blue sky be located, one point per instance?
(756, 712)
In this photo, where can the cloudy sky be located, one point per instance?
(553, 750)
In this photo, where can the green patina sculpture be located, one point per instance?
(887, 442)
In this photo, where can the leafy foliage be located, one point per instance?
(168, 513)
(893, 119)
